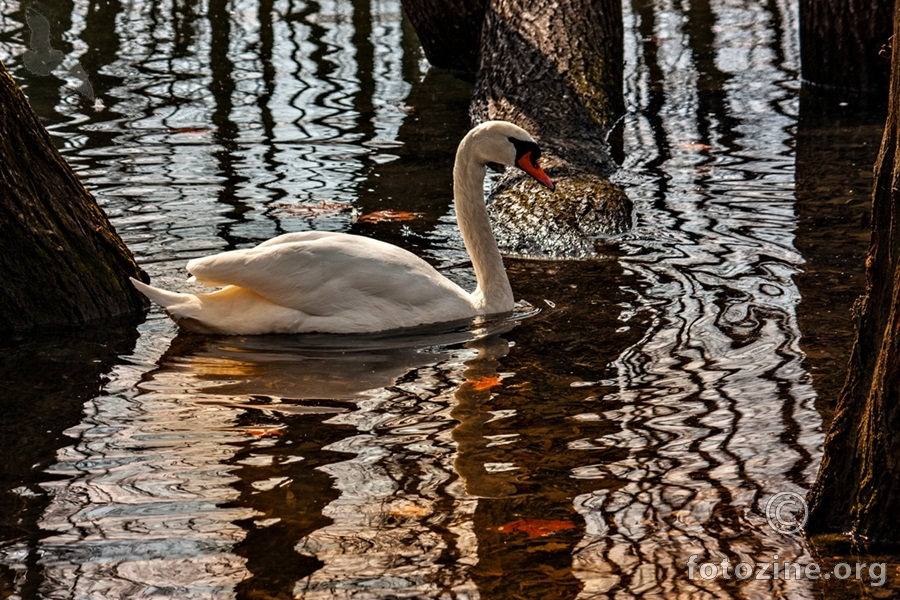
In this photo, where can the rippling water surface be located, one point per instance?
(659, 399)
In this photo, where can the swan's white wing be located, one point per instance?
(300, 236)
(227, 268)
(327, 273)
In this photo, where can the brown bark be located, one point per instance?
(858, 486)
(61, 262)
(554, 67)
(840, 41)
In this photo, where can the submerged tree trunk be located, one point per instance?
(61, 262)
(858, 486)
(554, 67)
(840, 41)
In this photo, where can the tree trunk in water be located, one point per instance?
(61, 262)
(554, 67)
(858, 486)
(840, 41)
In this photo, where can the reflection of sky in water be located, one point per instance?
(206, 462)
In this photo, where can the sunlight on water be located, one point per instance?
(645, 415)
(716, 385)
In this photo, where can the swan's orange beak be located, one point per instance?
(532, 168)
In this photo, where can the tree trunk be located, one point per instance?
(858, 486)
(554, 67)
(840, 41)
(61, 262)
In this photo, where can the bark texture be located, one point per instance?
(61, 262)
(840, 42)
(858, 486)
(554, 67)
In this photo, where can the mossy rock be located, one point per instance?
(530, 221)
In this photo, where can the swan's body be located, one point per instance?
(342, 283)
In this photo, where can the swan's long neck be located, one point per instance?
(493, 294)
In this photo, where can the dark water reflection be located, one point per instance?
(46, 379)
(660, 398)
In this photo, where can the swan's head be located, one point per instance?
(501, 142)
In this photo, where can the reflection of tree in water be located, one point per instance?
(138, 497)
(520, 443)
(47, 378)
(396, 521)
(714, 406)
(283, 481)
(453, 455)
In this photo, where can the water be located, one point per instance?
(659, 399)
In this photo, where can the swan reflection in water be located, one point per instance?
(291, 369)
(355, 483)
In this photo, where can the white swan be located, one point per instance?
(342, 283)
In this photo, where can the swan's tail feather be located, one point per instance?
(164, 298)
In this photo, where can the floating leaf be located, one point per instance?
(695, 146)
(381, 216)
(190, 130)
(534, 527)
(309, 210)
(263, 432)
(485, 383)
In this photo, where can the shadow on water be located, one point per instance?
(46, 377)
(834, 199)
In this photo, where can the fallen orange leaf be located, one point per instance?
(485, 383)
(380, 216)
(261, 433)
(534, 527)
